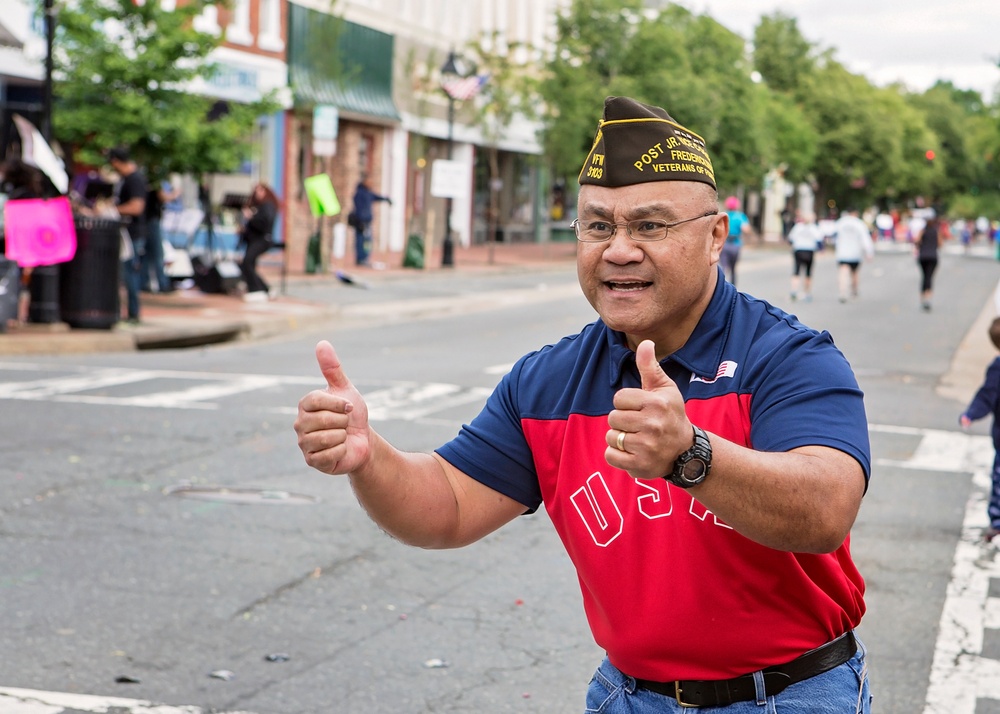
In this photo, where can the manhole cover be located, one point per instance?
(241, 496)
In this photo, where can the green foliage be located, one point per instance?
(792, 142)
(508, 89)
(808, 116)
(120, 73)
(586, 65)
(688, 64)
(781, 54)
(873, 142)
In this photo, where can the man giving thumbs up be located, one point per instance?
(702, 454)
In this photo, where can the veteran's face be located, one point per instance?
(652, 290)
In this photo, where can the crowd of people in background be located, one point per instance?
(852, 237)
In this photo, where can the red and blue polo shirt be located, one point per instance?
(670, 591)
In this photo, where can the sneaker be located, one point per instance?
(794, 297)
(273, 293)
(256, 296)
(926, 307)
(990, 533)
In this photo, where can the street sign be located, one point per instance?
(326, 124)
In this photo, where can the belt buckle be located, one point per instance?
(677, 696)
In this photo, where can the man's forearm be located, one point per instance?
(132, 208)
(422, 500)
(802, 501)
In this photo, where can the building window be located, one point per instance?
(269, 28)
(238, 31)
(366, 154)
(208, 20)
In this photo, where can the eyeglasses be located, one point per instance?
(643, 230)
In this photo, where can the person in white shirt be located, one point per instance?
(853, 245)
(806, 239)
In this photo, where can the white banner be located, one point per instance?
(450, 179)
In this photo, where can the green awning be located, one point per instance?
(333, 61)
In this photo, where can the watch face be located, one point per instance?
(694, 470)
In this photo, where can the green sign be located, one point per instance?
(322, 198)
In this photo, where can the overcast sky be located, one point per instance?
(914, 41)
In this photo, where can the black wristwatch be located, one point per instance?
(692, 466)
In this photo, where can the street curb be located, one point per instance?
(972, 357)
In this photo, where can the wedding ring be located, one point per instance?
(620, 443)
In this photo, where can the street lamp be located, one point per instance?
(450, 71)
(50, 31)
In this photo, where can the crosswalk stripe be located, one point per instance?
(960, 675)
(32, 701)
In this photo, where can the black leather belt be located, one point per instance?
(720, 692)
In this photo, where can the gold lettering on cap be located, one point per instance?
(651, 153)
(680, 155)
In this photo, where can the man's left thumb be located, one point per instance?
(652, 375)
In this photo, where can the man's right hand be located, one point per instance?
(332, 424)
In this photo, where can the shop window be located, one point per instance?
(269, 28)
(238, 31)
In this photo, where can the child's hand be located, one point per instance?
(964, 421)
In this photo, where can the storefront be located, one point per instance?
(352, 77)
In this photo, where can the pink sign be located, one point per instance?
(39, 231)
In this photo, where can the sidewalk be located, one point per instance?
(188, 318)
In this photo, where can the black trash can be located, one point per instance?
(43, 286)
(10, 290)
(88, 284)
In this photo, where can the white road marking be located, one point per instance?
(408, 401)
(41, 389)
(412, 402)
(960, 675)
(31, 701)
(499, 369)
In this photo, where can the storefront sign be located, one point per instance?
(450, 179)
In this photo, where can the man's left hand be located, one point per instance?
(652, 418)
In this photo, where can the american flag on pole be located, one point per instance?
(462, 88)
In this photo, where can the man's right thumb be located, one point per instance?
(329, 365)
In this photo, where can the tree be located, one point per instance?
(120, 71)
(950, 114)
(791, 142)
(689, 64)
(586, 65)
(504, 95)
(780, 53)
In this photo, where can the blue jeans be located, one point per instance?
(993, 508)
(728, 258)
(841, 690)
(362, 243)
(153, 258)
(132, 278)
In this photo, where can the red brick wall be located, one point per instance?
(344, 172)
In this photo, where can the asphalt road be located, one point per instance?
(163, 541)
